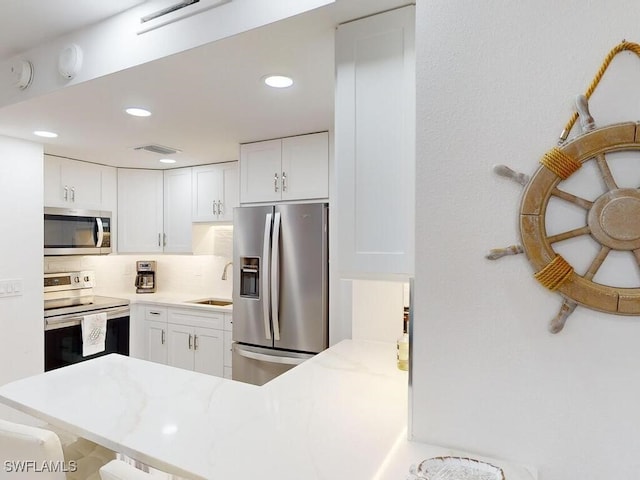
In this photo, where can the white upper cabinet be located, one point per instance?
(215, 192)
(176, 237)
(375, 144)
(154, 210)
(75, 184)
(140, 210)
(305, 167)
(260, 172)
(293, 168)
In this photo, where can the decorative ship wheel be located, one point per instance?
(612, 219)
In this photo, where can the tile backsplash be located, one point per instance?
(197, 275)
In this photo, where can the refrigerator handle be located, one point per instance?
(275, 276)
(266, 301)
(261, 357)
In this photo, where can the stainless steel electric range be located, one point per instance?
(68, 297)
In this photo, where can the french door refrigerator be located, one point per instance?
(280, 288)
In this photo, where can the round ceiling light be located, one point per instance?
(45, 134)
(138, 112)
(167, 160)
(278, 81)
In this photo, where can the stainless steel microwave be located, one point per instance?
(76, 232)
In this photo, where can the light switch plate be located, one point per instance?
(11, 287)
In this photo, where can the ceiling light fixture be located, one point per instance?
(278, 81)
(167, 160)
(138, 112)
(45, 134)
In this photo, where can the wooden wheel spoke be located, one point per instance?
(570, 234)
(597, 262)
(605, 172)
(581, 202)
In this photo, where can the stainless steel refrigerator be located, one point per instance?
(280, 288)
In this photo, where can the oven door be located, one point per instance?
(63, 342)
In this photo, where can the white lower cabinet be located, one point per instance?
(196, 348)
(155, 333)
(227, 354)
(190, 338)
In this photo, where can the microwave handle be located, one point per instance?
(100, 230)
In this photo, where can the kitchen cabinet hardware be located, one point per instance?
(275, 182)
(190, 341)
(284, 181)
(163, 339)
(73, 194)
(159, 239)
(66, 193)
(195, 342)
(164, 239)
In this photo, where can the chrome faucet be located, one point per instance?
(224, 272)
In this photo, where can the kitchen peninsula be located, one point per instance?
(341, 414)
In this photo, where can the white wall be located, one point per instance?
(21, 318)
(495, 83)
(114, 44)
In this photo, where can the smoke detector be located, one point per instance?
(22, 73)
(70, 61)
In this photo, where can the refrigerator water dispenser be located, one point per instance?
(250, 277)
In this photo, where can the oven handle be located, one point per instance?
(72, 320)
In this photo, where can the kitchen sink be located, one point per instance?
(209, 301)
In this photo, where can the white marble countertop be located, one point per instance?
(334, 416)
(340, 415)
(174, 300)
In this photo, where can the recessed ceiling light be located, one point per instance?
(167, 160)
(278, 81)
(44, 133)
(138, 112)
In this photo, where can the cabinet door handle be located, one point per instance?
(162, 339)
(213, 209)
(164, 239)
(73, 194)
(159, 239)
(66, 193)
(275, 182)
(284, 181)
(190, 340)
(195, 342)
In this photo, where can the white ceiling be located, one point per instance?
(204, 101)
